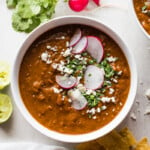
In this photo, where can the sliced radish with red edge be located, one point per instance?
(93, 77)
(76, 37)
(78, 5)
(79, 102)
(66, 82)
(80, 46)
(95, 48)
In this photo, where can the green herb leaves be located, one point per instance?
(109, 72)
(28, 14)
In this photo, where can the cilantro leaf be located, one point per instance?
(29, 14)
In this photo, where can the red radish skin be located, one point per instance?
(76, 37)
(95, 48)
(93, 77)
(97, 2)
(80, 46)
(66, 82)
(79, 102)
(78, 5)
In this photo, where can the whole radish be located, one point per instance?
(78, 5)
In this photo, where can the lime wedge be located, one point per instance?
(4, 74)
(5, 107)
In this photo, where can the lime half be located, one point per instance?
(4, 74)
(5, 107)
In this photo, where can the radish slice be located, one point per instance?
(66, 82)
(95, 48)
(80, 46)
(78, 5)
(79, 102)
(76, 37)
(93, 77)
(97, 2)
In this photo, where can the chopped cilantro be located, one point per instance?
(84, 54)
(144, 8)
(109, 72)
(93, 61)
(108, 54)
(92, 99)
(77, 66)
(11, 3)
(28, 14)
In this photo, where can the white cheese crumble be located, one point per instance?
(111, 59)
(114, 80)
(147, 93)
(56, 90)
(108, 99)
(67, 44)
(88, 92)
(67, 52)
(46, 57)
(120, 73)
(94, 117)
(48, 47)
(79, 57)
(133, 116)
(111, 90)
(60, 38)
(54, 65)
(63, 69)
(98, 110)
(81, 87)
(67, 70)
(69, 100)
(52, 48)
(91, 111)
(103, 107)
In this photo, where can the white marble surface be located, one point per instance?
(120, 20)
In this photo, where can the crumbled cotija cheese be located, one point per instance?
(133, 116)
(67, 52)
(108, 99)
(111, 90)
(56, 90)
(103, 107)
(67, 44)
(111, 59)
(46, 57)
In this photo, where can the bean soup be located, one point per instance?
(74, 79)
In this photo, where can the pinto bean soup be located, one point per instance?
(142, 8)
(74, 79)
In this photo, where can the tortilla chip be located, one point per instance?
(143, 145)
(92, 145)
(128, 136)
(113, 141)
(123, 140)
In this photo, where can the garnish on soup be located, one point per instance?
(74, 79)
(142, 8)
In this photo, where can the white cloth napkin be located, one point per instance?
(28, 146)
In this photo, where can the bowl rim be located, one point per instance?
(76, 138)
(131, 5)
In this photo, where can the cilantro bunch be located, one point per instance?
(28, 14)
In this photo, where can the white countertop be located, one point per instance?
(120, 20)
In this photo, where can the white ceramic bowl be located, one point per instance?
(66, 137)
(131, 4)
